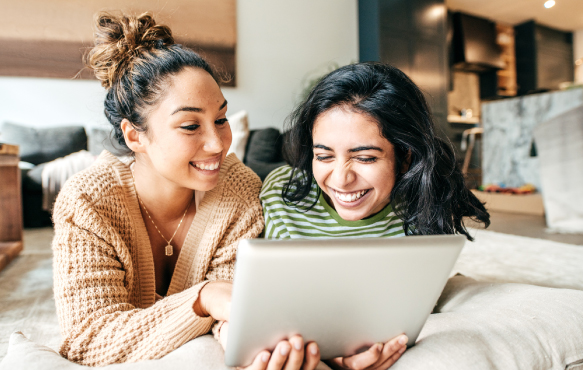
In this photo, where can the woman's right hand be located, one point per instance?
(214, 299)
(288, 355)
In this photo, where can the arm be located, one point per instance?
(248, 226)
(99, 321)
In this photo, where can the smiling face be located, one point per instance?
(188, 133)
(353, 164)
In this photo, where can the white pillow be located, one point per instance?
(476, 325)
(202, 353)
(239, 123)
(24, 354)
(486, 326)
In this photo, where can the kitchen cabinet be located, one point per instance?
(544, 57)
(410, 35)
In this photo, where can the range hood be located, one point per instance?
(474, 44)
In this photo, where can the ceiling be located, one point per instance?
(565, 15)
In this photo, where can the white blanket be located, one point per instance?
(497, 321)
(55, 174)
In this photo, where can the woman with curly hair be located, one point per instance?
(144, 249)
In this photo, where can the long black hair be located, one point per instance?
(431, 196)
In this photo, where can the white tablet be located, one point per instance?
(344, 294)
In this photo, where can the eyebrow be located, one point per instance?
(353, 150)
(320, 146)
(363, 148)
(195, 109)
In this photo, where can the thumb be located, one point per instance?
(223, 334)
(225, 313)
(364, 359)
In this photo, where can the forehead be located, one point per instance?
(340, 126)
(192, 86)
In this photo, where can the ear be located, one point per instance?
(406, 162)
(132, 136)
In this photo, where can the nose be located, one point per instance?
(343, 174)
(213, 142)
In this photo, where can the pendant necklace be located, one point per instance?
(169, 250)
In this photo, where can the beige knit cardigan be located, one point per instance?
(104, 280)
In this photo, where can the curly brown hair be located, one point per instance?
(134, 57)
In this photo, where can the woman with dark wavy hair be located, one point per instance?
(365, 162)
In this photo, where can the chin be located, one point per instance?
(204, 185)
(207, 186)
(351, 216)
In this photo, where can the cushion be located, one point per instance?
(40, 145)
(476, 325)
(239, 123)
(102, 139)
(24, 354)
(264, 151)
(480, 325)
(24, 167)
(33, 179)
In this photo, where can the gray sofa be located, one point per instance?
(41, 145)
(37, 147)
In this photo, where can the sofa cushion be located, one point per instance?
(264, 146)
(32, 181)
(102, 139)
(264, 151)
(239, 123)
(40, 145)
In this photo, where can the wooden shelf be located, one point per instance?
(10, 204)
(507, 76)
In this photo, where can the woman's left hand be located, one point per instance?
(378, 357)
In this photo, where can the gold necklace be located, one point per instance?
(169, 250)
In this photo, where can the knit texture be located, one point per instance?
(104, 279)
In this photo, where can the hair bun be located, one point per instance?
(120, 40)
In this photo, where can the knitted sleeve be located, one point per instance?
(91, 272)
(249, 226)
(245, 187)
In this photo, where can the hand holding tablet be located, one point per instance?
(293, 354)
(347, 295)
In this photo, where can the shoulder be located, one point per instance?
(276, 180)
(239, 180)
(102, 179)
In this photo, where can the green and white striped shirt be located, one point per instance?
(321, 221)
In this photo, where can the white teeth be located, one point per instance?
(209, 167)
(350, 197)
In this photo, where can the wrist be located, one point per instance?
(208, 293)
(199, 306)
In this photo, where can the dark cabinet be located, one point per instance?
(410, 35)
(544, 57)
(474, 44)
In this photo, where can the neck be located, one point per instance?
(164, 199)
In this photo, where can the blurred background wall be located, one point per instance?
(280, 45)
